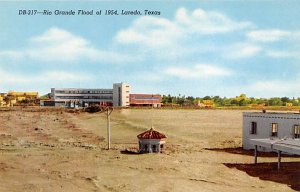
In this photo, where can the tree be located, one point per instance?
(285, 100)
(234, 102)
(180, 99)
(241, 100)
(218, 100)
(253, 100)
(244, 102)
(190, 100)
(207, 98)
(295, 102)
(275, 101)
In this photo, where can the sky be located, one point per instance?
(193, 48)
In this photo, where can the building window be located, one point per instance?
(296, 131)
(274, 132)
(253, 128)
(154, 148)
(119, 91)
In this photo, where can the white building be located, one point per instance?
(274, 126)
(73, 97)
(121, 92)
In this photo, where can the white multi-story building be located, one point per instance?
(73, 97)
(262, 125)
(120, 94)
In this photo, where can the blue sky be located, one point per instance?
(194, 48)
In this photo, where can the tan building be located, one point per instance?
(2, 102)
(206, 103)
(13, 97)
(21, 96)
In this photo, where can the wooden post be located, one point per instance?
(108, 129)
(152, 112)
(279, 160)
(108, 113)
(255, 154)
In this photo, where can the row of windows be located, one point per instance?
(271, 117)
(145, 97)
(274, 129)
(84, 92)
(155, 148)
(84, 97)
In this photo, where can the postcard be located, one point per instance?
(149, 95)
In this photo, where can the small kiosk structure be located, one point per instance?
(151, 141)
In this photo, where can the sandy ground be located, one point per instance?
(53, 150)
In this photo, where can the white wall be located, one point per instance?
(150, 143)
(80, 94)
(286, 122)
(121, 93)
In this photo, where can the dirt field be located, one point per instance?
(53, 150)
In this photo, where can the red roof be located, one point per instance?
(151, 134)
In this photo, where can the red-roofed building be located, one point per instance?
(151, 141)
(145, 100)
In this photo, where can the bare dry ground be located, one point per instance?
(53, 150)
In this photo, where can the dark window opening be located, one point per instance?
(154, 148)
(253, 128)
(119, 94)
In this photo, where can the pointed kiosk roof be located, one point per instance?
(151, 134)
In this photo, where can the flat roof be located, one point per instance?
(291, 146)
(275, 113)
(74, 89)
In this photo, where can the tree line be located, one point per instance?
(241, 100)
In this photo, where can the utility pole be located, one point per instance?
(109, 110)
(152, 112)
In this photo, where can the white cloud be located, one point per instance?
(55, 77)
(274, 35)
(60, 45)
(182, 37)
(149, 76)
(242, 50)
(150, 31)
(207, 22)
(159, 32)
(197, 71)
(277, 88)
(271, 35)
(11, 54)
(283, 54)
(55, 35)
